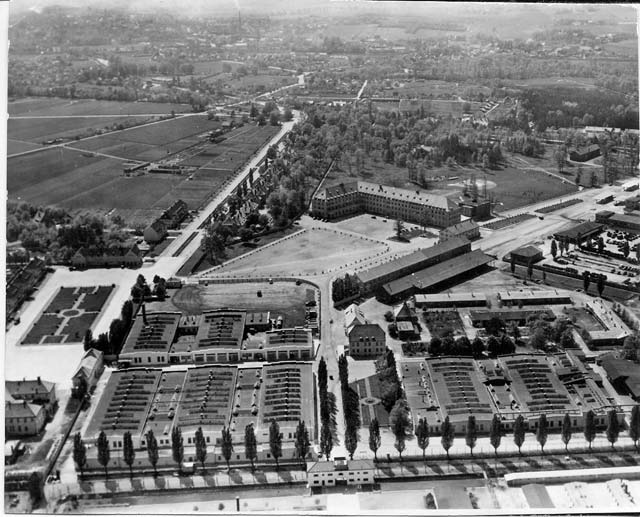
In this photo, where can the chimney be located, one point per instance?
(144, 314)
(39, 381)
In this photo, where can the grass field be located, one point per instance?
(313, 251)
(18, 146)
(54, 106)
(41, 129)
(516, 183)
(281, 298)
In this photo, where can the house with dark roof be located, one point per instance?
(114, 256)
(155, 232)
(366, 339)
(468, 229)
(526, 255)
(584, 154)
(623, 374)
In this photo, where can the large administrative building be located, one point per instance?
(217, 336)
(396, 203)
(511, 385)
(139, 400)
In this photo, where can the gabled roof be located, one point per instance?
(158, 226)
(21, 389)
(462, 227)
(88, 363)
(353, 315)
(402, 311)
(21, 409)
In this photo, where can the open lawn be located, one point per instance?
(19, 146)
(516, 182)
(311, 251)
(281, 298)
(584, 319)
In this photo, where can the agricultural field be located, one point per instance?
(38, 130)
(57, 107)
(77, 179)
(70, 313)
(284, 299)
(300, 254)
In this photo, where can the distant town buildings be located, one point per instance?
(169, 220)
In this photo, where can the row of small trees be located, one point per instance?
(328, 411)
(496, 432)
(301, 444)
(350, 408)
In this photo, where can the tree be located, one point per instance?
(471, 436)
(152, 451)
(275, 442)
(422, 435)
(35, 487)
(519, 433)
(560, 158)
(351, 440)
(590, 427)
(634, 425)
(343, 371)
(326, 440)
(80, 391)
(626, 249)
(250, 445)
(226, 445)
(447, 435)
(477, 347)
(513, 263)
(302, 441)
(554, 248)
(600, 284)
(600, 244)
(399, 228)
(177, 446)
(399, 418)
(201, 447)
(79, 453)
(613, 427)
(586, 280)
(104, 454)
(128, 451)
(495, 433)
(566, 431)
(374, 437)
(543, 431)
(88, 340)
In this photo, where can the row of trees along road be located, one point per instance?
(302, 446)
(400, 426)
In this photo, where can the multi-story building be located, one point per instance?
(28, 405)
(366, 339)
(213, 397)
(519, 384)
(395, 203)
(340, 471)
(217, 336)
